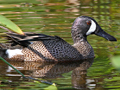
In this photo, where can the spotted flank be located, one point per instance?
(13, 52)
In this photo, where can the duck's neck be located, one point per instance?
(77, 36)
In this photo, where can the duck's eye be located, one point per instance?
(88, 22)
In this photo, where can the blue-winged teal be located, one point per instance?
(40, 47)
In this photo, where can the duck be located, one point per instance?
(44, 48)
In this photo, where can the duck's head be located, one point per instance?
(84, 26)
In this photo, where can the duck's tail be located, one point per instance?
(5, 47)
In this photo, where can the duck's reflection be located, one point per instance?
(55, 70)
(79, 74)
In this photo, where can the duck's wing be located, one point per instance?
(25, 40)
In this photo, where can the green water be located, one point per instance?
(55, 17)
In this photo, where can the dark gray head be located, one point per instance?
(84, 26)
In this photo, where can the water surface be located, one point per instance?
(55, 17)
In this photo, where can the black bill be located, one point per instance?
(105, 35)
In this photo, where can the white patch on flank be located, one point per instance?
(92, 28)
(13, 52)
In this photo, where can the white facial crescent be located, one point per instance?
(92, 28)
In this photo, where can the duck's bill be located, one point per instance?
(105, 35)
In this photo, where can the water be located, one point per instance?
(55, 17)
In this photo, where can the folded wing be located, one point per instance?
(25, 40)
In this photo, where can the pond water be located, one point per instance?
(55, 17)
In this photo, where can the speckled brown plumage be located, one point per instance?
(52, 50)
